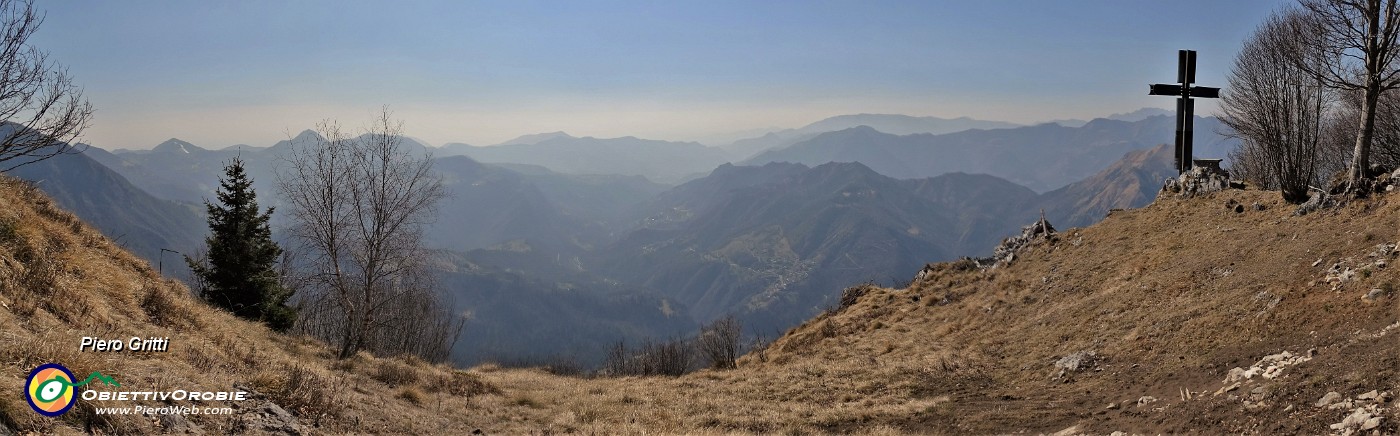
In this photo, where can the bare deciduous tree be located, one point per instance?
(42, 111)
(719, 341)
(1277, 107)
(358, 206)
(1359, 42)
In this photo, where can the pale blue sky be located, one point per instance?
(221, 73)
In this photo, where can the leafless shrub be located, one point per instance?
(672, 358)
(719, 342)
(851, 295)
(164, 309)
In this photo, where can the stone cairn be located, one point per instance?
(1004, 254)
(1205, 177)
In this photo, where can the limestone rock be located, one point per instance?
(177, 424)
(1077, 361)
(1318, 201)
(1328, 399)
(1005, 253)
(1373, 295)
(1199, 181)
(269, 418)
(1374, 422)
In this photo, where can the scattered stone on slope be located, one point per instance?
(1075, 362)
(1361, 419)
(1373, 295)
(1200, 180)
(1269, 367)
(1327, 400)
(265, 417)
(1347, 269)
(1145, 400)
(1317, 201)
(1004, 254)
(271, 418)
(174, 423)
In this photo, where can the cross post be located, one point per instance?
(1185, 106)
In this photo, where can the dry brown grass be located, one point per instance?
(61, 280)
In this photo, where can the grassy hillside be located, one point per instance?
(60, 280)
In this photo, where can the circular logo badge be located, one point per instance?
(50, 390)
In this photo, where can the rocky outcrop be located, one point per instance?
(1199, 181)
(1318, 201)
(269, 418)
(1075, 362)
(1006, 252)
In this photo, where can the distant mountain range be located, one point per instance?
(537, 318)
(768, 242)
(1042, 157)
(1137, 115)
(1132, 181)
(136, 220)
(771, 243)
(662, 161)
(889, 123)
(528, 246)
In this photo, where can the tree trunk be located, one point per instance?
(1361, 156)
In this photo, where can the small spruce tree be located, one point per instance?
(239, 271)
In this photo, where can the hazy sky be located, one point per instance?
(222, 73)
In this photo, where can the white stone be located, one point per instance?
(1372, 423)
(1327, 400)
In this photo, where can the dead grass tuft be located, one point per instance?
(412, 395)
(166, 309)
(304, 391)
(461, 383)
(396, 373)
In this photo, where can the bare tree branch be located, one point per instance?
(41, 111)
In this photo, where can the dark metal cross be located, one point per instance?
(1185, 106)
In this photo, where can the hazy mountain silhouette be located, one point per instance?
(889, 123)
(769, 243)
(1042, 157)
(537, 138)
(903, 124)
(1137, 115)
(128, 215)
(1131, 182)
(661, 161)
(772, 243)
(519, 317)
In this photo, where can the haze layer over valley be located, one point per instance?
(600, 250)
